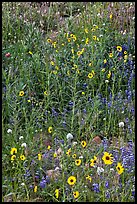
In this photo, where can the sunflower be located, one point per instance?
(93, 161)
(87, 41)
(49, 40)
(22, 157)
(90, 75)
(119, 48)
(94, 37)
(111, 54)
(68, 152)
(71, 180)
(45, 93)
(21, 93)
(78, 162)
(119, 168)
(76, 194)
(50, 129)
(107, 158)
(88, 178)
(83, 143)
(13, 157)
(74, 156)
(86, 30)
(13, 151)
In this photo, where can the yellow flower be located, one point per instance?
(72, 180)
(78, 162)
(93, 72)
(13, 151)
(79, 53)
(109, 75)
(103, 70)
(49, 40)
(29, 101)
(30, 52)
(57, 193)
(111, 54)
(83, 143)
(119, 48)
(68, 152)
(13, 157)
(105, 61)
(90, 75)
(54, 72)
(72, 50)
(107, 158)
(21, 93)
(90, 64)
(69, 39)
(88, 178)
(62, 44)
(35, 189)
(74, 156)
(45, 93)
(83, 93)
(52, 63)
(56, 67)
(22, 157)
(39, 156)
(55, 155)
(125, 57)
(86, 30)
(93, 161)
(50, 129)
(94, 37)
(93, 29)
(125, 52)
(48, 147)
(110, 16)
(74, 38)
(87, 41)
(119, 168)
(76, 194)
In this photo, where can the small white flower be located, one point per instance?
(81, 157)
(22, 184)
(9, 131)
(74, 143)
(100, 170)
(121, 124)
(24, 145)
(104, 118)
(111, 169)
(21, 137)
(69, 136)
(106, 81)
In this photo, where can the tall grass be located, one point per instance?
(68, 68)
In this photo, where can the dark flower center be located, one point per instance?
(107, 158)
(71, 180)
(118, 168)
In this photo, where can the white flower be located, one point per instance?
(111, 169)
(74, 143)
(100, 170)
(22, 184)
(81, 157)
(69, 136)
(106, 81)
(23, 145)
(121, 124)
(9, 131)
(21, 137)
